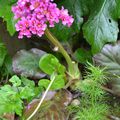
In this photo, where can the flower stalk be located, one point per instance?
(41, 100)
(55, 42)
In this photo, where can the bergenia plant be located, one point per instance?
(34, 17)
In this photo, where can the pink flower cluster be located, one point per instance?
(34, 15)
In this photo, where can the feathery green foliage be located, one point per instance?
(93, 106)
(91, 85)
(96, 112)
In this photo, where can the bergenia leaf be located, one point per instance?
(53, 108)
(110, 59)
(26, 63)
(102, 26)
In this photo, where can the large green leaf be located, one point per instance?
(7, 15)
(110, 59)
(102, 26)
(26, 63)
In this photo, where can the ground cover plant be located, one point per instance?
(69, 69)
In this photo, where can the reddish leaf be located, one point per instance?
(53, 107)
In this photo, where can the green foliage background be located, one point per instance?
(98, 20)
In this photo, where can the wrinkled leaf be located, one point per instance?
(53, 108)
(26, 63)
(29, 90)
(110, 59)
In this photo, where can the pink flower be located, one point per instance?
(66, 19)
(34, 16)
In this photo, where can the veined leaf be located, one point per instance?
(110, 59)
(102, 26)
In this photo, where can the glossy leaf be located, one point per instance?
(63, 33)
(44, 83)
(49, 64)
(102, 26)
(26, 63)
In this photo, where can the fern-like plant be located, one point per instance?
(93, 106)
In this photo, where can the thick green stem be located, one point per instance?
(55, 42)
